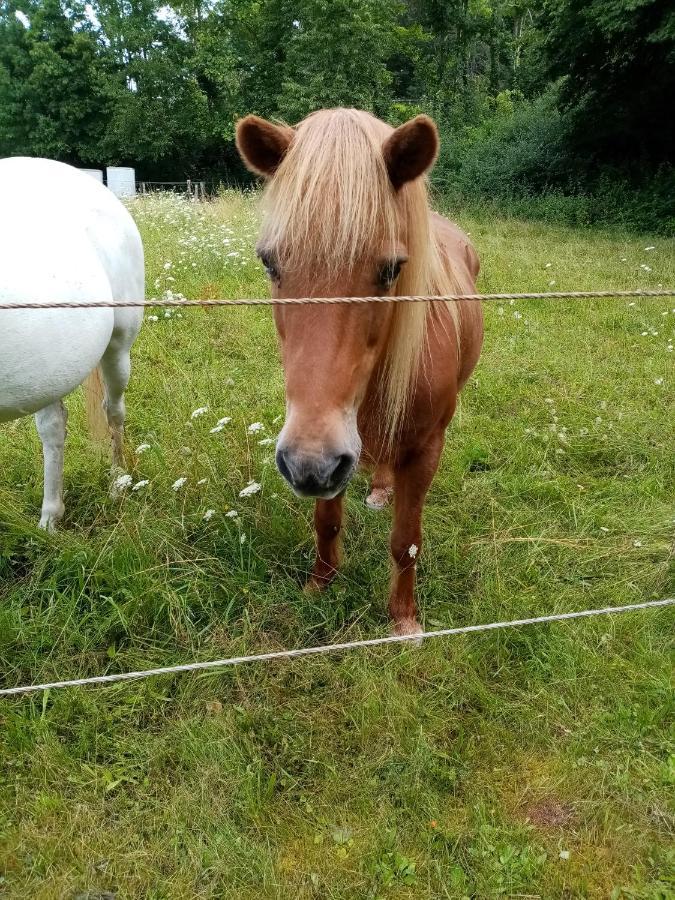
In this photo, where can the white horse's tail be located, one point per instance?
(94, 394)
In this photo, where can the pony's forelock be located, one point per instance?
(331, 203)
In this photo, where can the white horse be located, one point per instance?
(63, 236)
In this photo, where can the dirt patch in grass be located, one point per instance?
(549, 813)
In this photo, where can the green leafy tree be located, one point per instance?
(54, 81)
(616, 59)
(337, 56)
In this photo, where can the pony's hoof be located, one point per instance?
(315, 584)
(312, 586)
(378, 498)
(407, 627)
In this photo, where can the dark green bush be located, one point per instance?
(519, 161)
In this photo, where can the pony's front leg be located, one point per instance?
(51, 426)
(411, 483)
(328, 524)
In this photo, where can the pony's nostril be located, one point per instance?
(282, 465)
(342, 468)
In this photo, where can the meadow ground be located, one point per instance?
(535, 762)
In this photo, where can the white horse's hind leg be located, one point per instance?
(116, 370)
(51, 426)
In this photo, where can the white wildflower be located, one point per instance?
(178, 483)
(196, 413)
(632, 303)
(267, 441)
(140, 484)
(564, 854)
(602, 528)
(208, 515)
(658, 381)
(548, 265)
(153, 318)
(122, 482)
(517, 315)
(251, 488)
(202, 481)
(623, 258)
(650, 248)
(232, 514)
(142, 448)
(224, 421)
(500, 311)
(637, 543)
(255, 427)
(167, 266)
(412, 551)
(242, 539)
(551, 283)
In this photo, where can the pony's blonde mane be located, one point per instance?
(331, 203)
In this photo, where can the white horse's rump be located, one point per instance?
(63, 236)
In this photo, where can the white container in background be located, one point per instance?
(94, 173)
(121, 180)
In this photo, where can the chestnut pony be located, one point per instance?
(347, 214)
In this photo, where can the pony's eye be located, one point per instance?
(270, 266)
(389, 272)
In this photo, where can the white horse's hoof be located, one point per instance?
(378, 498)
(408, 627)
(50, 518)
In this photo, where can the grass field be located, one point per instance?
(535, 762)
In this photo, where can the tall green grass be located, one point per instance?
(532, 762)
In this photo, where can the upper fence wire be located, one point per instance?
(181, 302)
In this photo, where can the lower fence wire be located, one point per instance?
(332, 648)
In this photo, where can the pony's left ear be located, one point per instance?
(411, 150)
(262, 145)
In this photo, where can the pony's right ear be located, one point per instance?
(262, 145)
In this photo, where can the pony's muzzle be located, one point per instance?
(323, 476)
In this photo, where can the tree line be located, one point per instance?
(530, 97)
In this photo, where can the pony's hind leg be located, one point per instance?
(51, 426)
(381, 487)
(411, 483)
